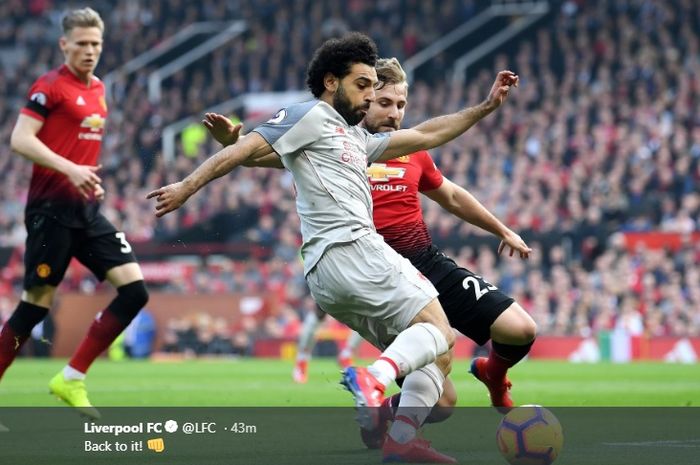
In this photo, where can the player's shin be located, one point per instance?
(109, 324)
(504, 356)
(15, 332)
(420, 392)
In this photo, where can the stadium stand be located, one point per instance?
(596, 161)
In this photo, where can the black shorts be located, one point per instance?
(51, 245)
(471, 303)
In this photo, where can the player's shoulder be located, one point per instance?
(291, 114)
(51, 77)
(296, 111)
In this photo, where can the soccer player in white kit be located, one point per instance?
(351, 272)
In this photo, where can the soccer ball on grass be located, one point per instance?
(530, 435)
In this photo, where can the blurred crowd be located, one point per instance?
(602, 137)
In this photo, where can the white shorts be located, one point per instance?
(370, 287)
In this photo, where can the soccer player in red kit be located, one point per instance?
(60, 130)
(473, 306)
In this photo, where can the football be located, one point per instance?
(530, 435)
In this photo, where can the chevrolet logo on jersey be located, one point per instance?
(379, 172)
(95, 122)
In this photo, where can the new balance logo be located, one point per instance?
(80, 100)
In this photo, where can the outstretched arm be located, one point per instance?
(465, 206)
(173, 196)
(226, 133)
(442, 129)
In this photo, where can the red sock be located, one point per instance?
(10, 344)
(103, 331)
(497, 366)
(389, 406)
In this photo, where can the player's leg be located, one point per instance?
(375, 291)
(47, 254)
(368, 286)
(32, 308)
(307, 339)
(374, 439)
(512, 335)
(109, 257)
(480, 310)
(110, 322)
(351, 344)
(420, 393)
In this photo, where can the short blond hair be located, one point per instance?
(390, 72)
(84, 17)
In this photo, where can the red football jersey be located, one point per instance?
(74, 117)
(395, 186)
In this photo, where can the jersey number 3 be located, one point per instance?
(126, 247)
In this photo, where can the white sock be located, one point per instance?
(70, 374)
(307, 336)
(383, 370)
(420, 392)
(402, 431)
(413, 348)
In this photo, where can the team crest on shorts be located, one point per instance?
(43, 270)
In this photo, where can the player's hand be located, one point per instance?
(99, 193)
(516, 244)
(169, 198)
(499, 91)
(221, 128)
(84, 178)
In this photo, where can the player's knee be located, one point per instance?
(514, 326)
(525, 330)
(450, 336)
(444, 362)
(136, 293)
(39, 295)
(131, 298)
(25, 317)
(529, 330)
(444, 340)
(447, 332)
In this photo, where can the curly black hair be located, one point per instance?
(336, 56)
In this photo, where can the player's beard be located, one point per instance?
(381, 126)
(342, 104)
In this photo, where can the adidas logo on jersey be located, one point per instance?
(80, 100)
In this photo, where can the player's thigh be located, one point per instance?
(122, 275)
(49, 249)
(104, 249)
(368, 286)
(514, 326)
(471, 303)
(435, 315)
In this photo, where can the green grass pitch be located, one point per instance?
(310, 436)
(261, 382)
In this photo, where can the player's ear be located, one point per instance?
(331, 82)
(63, 43)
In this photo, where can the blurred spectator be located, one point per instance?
(140, 335)
(602, 136)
